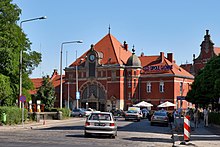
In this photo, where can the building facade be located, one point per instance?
(109, 76)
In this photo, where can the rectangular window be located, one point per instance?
(113, 75)
(70, 76)
(129, 96)
(135, 84)
(181, 88)
(161, 87)
(129, 83)
(148, 87)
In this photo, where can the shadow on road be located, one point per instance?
(149, 139)
(91, 136)
(63, 128)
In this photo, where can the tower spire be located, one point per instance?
(109, 29)
(133, 50)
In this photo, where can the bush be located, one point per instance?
(13, 115)
(214, 117)
(65, 112)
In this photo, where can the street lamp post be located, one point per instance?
(21, 52)
(77, 87)
(61, 76)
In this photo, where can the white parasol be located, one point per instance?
(143, 104)
(166, 104)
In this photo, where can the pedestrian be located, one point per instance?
(206, 114)
(196, 117)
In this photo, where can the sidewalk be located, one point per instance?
(41, 124)
(200, 136)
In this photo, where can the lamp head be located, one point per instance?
(80, 41)
(43, 17)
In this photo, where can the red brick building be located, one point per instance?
(110, 76)
(206, 53)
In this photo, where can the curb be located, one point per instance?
(41, 124)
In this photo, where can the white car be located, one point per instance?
(89, 111)
(100, 123)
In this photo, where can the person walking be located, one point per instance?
(205, 113)
(196, 117)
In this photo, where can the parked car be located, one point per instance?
(78, 112)
(100, 123)
(133, 115)
(88, 111)
(118, 112)
(160, 117)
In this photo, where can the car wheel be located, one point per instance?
(113, 136)
(86, 134)
(151, 124)
(80, 115)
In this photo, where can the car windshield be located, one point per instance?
(98, 116)
(131, 111)
(160, 114)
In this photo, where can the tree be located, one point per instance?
(12, 41)
(206, 86)
(5, 90)
(46, 93)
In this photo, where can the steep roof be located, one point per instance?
(156, 62)
(187, 67)
(55, 79)
(110, 47)
(217, 50)
(37, 83)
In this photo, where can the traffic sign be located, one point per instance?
(180, 97)
(22, 98)
(77, 95)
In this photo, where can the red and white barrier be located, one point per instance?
(187, 128)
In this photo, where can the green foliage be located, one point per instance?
(13, 115)
(5, 90)
(12, 41)
(65, 112)
(214, 118)
(206, 86)
(46, 93)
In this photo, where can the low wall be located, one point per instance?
(45, 115)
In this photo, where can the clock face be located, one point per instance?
(92, 57)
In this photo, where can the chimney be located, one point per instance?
(55, 73)
(170, 57)
(125, 46)
(162, 57)
(142, 54)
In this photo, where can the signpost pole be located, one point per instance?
(22, 100)
(23, 113)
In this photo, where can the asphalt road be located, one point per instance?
(130, 134)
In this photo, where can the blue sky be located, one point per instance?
(151, 26)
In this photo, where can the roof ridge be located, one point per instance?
(110, 36)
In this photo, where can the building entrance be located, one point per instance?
(94, 95)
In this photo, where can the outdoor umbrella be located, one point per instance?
(166, 104)
(143, 104)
